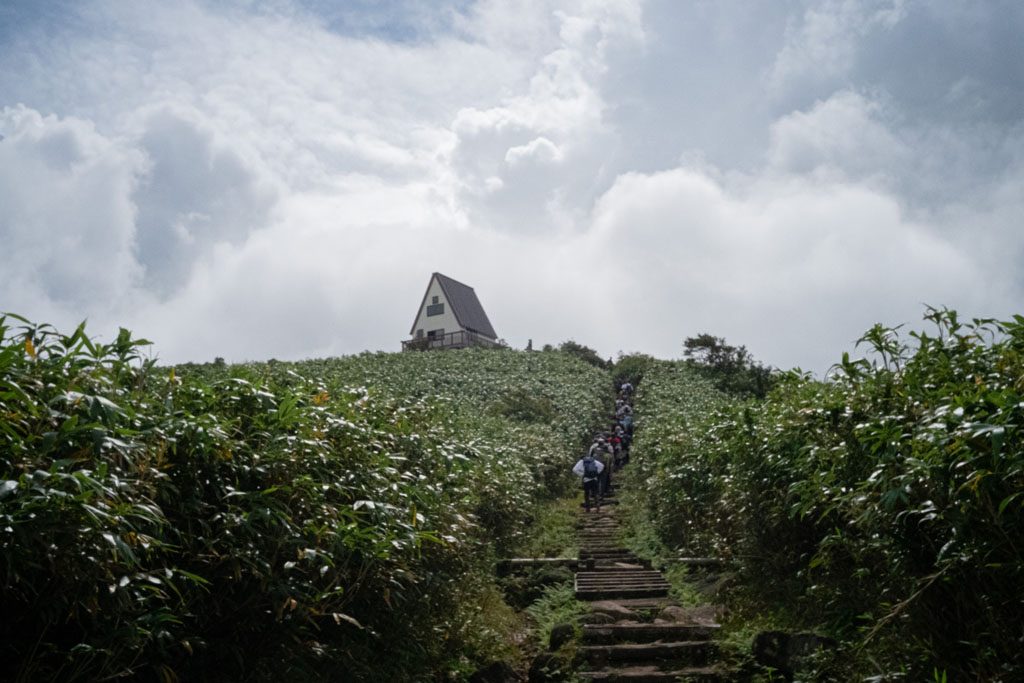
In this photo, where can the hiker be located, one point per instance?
(606, 455)
(616, 441)
(627, 424)
(626, 440)
(588, 468)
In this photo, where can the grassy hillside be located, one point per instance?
(277, 521)
(290, 521)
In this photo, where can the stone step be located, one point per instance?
(628, 559)
(602, 552)
(609, 542)
(699, 561)
(597, 593)
(651, 674)
(511, 564)
(621, 592)
(612, 565)
(620, 575)
(659, 588)
(645, 604)
(683, 652)
(613, 576)
(594, 634)
(597, 584)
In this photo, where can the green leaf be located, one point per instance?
(1006, 502)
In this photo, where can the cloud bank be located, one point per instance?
(279, 179)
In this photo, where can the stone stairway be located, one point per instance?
(637, 633)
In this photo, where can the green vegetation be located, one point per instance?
(290, 521)
(553, 529)
(584, 353)
(557, 605)
(631, 368)
(883, 506)
(277, 521)
(732, 368)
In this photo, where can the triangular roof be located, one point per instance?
(465, 306)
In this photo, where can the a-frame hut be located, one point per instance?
(450, 317)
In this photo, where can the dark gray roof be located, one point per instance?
(465, 306)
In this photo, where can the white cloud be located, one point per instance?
(248, 183)
(823, 43)
(842, 132)
(68, 224)
(196, 192)
(556, 117)
(540, 150)
(797, 268)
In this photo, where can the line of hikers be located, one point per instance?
(608, 452)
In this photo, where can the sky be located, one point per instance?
(256, 179)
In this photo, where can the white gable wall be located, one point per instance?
(434, 322)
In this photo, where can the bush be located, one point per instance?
(631, 368)
(264, 521)
(733, 368)
(584, 353)
(884, 504)
(522, 406)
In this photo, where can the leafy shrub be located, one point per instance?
(885, 503)
(631, 368)
(732, 367)
(584, 353)
(522, 406)
(265, 521)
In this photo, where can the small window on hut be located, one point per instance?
(435, 308)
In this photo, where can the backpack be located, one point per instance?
(589, 467)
